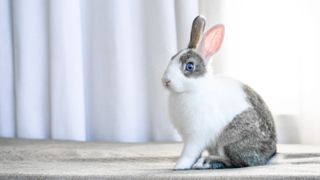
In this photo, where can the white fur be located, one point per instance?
(200, 108)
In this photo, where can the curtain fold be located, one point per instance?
(7, 95)
(99, 57)
(130, 77)
(66, 71)
(30, 52)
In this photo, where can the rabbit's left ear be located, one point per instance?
(211, 41)
(197, 29)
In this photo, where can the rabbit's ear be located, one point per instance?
(212, 41)
(197, 29)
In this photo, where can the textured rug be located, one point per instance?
(39, 159)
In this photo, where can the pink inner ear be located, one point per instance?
(212, 41)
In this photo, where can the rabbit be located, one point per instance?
(213, 113)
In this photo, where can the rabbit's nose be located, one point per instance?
(166, 82)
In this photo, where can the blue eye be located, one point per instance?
(189, 66)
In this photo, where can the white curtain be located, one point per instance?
(88, 70)
(91, 69)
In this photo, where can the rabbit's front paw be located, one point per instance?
(183, 164)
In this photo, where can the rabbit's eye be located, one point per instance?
(190, 66)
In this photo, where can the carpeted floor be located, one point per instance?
(38, 159)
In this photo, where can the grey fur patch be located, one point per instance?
(266, 119)
(250, 138)
(196, 59)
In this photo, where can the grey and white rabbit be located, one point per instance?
(215, 113)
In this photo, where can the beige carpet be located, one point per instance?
(38, 159)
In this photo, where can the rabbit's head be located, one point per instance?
(189, 66)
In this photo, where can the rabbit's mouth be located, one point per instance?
(168, 86)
